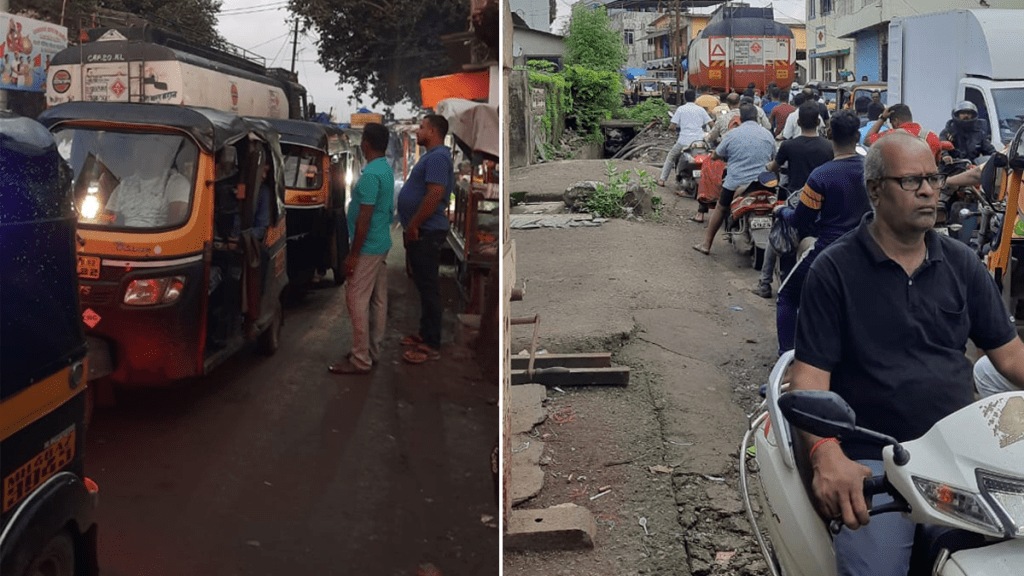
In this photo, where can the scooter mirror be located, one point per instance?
(819, 412)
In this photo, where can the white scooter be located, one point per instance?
(966, 473)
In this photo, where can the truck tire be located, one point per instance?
(57, 557)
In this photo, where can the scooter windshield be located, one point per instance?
(130, 180)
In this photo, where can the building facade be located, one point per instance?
(633, 28)
(853, 35)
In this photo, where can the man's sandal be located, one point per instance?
(347, 367)
(412, 340)
(421, 354)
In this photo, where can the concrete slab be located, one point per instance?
(526, 407)
(525, 451)
(524, 483)
(563, 527)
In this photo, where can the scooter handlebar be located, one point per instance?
(872, 486)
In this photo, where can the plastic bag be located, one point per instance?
(784, 238)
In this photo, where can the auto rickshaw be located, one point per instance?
(47, 520)
(1006, 250)
(850, 92)
(182, 255)
(320, 165)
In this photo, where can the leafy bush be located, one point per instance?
(596, 96)
(651, 109)
(592, 43)
(606, 201)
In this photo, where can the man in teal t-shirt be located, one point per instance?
(366, 271)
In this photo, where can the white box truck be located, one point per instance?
(937, 60)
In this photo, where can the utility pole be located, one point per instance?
(678, 58)
(4, 7)
(295, 41)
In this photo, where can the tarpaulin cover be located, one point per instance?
(467, 85)
(474, 123)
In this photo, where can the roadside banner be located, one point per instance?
(25, 51)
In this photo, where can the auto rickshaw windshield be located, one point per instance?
(130, 180)
(302, 167)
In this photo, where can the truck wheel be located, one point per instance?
(57, 558)
(270, 339)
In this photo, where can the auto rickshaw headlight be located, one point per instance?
(90, 207)
(152, 291)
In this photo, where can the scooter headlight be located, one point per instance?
(960, 504)
(1007, 494)
(152, 291)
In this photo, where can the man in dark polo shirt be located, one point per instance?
(885, 315)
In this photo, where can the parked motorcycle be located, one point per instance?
(964, 479)
(750, 217)
(689, 165)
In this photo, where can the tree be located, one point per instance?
(196, 20)
(384, 47)
(592, 43)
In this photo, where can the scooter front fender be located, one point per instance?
(1000, 559)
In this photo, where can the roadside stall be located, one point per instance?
(475, 212)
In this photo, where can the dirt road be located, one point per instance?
(275, 466)
(698, 343)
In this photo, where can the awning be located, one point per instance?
(466, 85)
(632, 73)
(830, 53)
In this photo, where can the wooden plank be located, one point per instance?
(614, 376)
(588, 360)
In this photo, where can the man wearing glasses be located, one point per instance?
(884, 321)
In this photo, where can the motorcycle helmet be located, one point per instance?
(965, 106)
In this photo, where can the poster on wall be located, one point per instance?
(25, 51)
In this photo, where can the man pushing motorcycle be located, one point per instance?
(885, 315)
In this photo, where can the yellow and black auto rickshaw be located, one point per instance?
(182, 254)
(320, 165)
(47, 521)
(1005, 250)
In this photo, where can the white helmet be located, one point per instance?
(966, 106)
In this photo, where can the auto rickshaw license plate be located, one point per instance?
(89, 267)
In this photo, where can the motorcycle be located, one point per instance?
(750, 217)
(963, 480)
(689, 164)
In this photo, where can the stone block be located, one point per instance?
(526, 407)
(524, 483)
(563, 527)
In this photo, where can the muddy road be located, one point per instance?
(273, 466)
(698, 343)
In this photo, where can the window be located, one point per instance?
(827, 69)
(628, 37)
(810, 9)
(826, 7)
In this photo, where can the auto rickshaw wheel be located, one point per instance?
(270, 339)
(57, 557)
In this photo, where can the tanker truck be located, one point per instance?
(741, 44)
(143, 64)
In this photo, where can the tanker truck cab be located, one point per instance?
(181, 257)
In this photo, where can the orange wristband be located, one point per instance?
(819, 443)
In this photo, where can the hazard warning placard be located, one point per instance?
(747, 52)
(718, 48)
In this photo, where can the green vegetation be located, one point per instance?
(648, 110)
(607, 200)
(592, 43)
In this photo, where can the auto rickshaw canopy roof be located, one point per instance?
(305, 133)
(211, 129)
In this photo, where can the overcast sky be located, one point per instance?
(789, 8)
(261, 26)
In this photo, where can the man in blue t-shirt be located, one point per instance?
(366, 269)
(421, 210)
